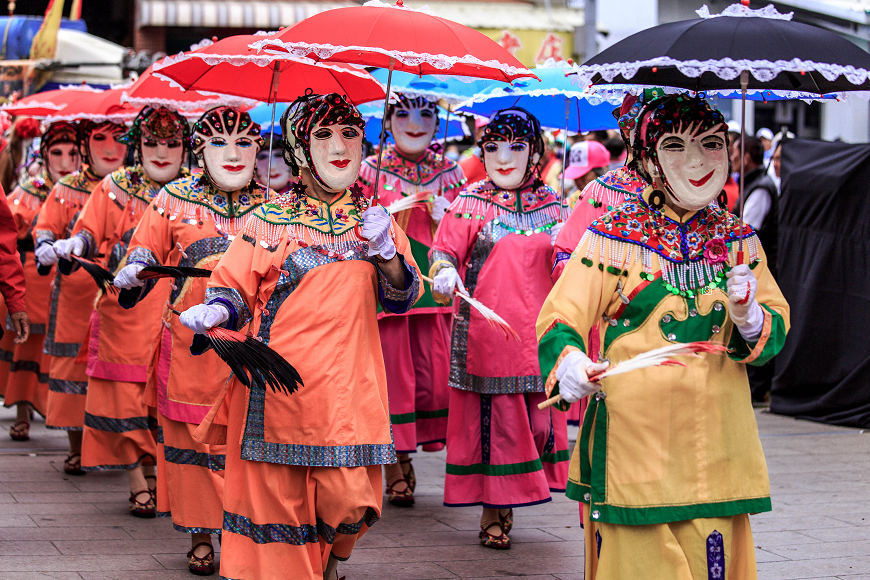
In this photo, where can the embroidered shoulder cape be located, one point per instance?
(430, 173)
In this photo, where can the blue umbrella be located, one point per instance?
(372, 113)
(546, 100)
(454, 90)
(262, 114)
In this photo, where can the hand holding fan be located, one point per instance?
(494, 319)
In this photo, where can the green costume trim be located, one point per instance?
(557, 457)
(487, 469)
(740, 349)
(405, 418)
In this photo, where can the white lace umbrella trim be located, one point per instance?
(725, 68)
(296, 50)
(190, 106)
(741, 11)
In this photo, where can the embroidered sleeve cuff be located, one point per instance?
(439, 260)
(240, 314)
(768, 345)
(555, 344)
(142, 256)
(43, 236)
(395, 300)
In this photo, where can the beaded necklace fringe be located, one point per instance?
(270, 234)
(450, 178)
(29, 200)
(685, 278)
(535, 221)
(174, 208)
(138, 201)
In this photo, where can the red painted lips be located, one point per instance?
(702, 181)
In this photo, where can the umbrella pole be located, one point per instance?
(564, 162)
(273, 96)
(443, 155)
(744, 83)
(383, 134)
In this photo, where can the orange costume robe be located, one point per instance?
(416, 343)
(72, 301)
(188, 226)
(120, 430)
(28, 378)
(303, 475)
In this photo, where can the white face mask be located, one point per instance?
(63, 159)
(696, 166)
(336, 151)
(105, 154)
(280, 171)
(413, 129)
(506, 162)
(230, 161)
(161, 158)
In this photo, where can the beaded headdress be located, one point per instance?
(162, 123)
(307, 112)
(228, 121)
(516, 124)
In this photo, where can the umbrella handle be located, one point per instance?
(356, 229)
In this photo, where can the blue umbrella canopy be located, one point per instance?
(452, 89)
(546, 100)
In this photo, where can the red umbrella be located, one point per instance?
(98, 107)
(229, 67)
(398, 38)
(149, 90)
(41, 105)
(395, 38)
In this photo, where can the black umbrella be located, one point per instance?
(740, 49)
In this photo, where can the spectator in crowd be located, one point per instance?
(600, 136)
(616, 147)
(471, 165)
(765, 135)
(586, 161)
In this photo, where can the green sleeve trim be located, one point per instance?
(740, 349)
(557, 457)
(487, 469)
(553, 343)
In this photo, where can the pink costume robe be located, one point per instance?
(501, 450)
(417, 343)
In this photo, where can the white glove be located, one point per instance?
(745, 312)
(573, 376)
(69, 247)
(45, 254)
(202, 317)
(439, 208)
(446, 280)
(127, 279)
(554, 232)
(376, 229)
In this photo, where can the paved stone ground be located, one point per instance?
(65, 528)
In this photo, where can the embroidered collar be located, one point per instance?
(228, 205)
(84, 181)
(523, 200)
(624, 180)
(635, 222)
(135, 182)
(337, 217)
(420, 172)
(38, 186)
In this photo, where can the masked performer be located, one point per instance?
(275, 173)
(27, 385)
(669, 462)
(303, 479)
(502, 452)
(120, 432)
(417, 343)
(72, 299)
(191, 224)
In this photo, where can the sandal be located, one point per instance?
(147, 509)
(404, 498)
(201, 566)
(507, 521)
(153, 490)
(500, 542)
(73, 467)
(20, 431)
(410, 477)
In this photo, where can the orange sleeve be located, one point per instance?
(154, 235)
(94, 222)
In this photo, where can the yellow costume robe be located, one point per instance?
(666, 444)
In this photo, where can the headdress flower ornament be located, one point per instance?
(671, 114)
(307, 112)
(60, 132)
(516, 124)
